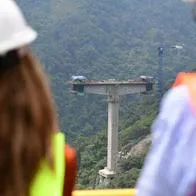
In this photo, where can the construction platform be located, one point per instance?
(140, 85)
(113, 89)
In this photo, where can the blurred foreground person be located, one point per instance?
(170, 167)
(34, 160)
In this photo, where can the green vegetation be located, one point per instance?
(132, 133)
(109, 39)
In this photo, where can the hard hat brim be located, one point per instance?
(25, 37)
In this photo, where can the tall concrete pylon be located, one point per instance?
(113, 90)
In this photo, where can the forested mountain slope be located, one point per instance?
(109, 39)
(106, 39)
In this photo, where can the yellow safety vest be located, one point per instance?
(48, 182)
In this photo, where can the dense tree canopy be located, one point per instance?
(109, 39)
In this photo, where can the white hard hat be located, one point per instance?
(14, 30)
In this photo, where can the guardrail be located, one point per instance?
(105, 192)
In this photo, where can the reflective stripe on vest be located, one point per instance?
(48, 182)
(189, 80)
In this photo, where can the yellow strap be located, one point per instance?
(59, 157)
(48, 182)
(105, 192)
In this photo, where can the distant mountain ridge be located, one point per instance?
(106, 39)
(103, 39)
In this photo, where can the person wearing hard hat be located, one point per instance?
(34, 159)
(170, 166)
